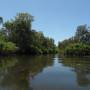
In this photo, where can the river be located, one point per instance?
(45, 72)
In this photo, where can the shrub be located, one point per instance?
(77, 49)
(7, 47)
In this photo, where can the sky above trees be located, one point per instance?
(55, 18)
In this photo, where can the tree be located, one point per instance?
(81, 31)
(28, 41)
(1, 20)
(79, 45)
(20, 31)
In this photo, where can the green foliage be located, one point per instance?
(77, 49)
(79, 45)
(7, 47)
(18, 33)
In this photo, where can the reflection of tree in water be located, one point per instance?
(16, 72)
(82, 68)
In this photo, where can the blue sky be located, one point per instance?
(55, 18)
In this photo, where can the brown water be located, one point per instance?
(48, 72)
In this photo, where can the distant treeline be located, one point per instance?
(78, 45)
(17, 36)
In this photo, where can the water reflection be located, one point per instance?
(16, 72)
(81, 67)
(48, 72)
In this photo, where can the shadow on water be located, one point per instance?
(45, 72)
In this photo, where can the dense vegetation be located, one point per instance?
(78, 45)
(17, 36)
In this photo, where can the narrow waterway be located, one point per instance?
(48, 72)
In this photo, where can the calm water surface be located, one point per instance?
(48, 72)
